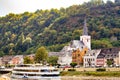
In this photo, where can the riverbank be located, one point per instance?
(89, 69)
(91, 73)
(88, 78)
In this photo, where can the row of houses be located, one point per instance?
(102, 57)
(13, 60)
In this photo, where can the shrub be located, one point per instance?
(62, 73)
(71, 69)
(101, 69)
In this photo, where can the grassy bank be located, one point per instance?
(91, 73)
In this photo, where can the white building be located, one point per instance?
(64, 58)
(90, 58)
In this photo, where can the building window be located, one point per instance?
(112, 55)
(82, 47)
(87, 40)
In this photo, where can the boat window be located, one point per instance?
(26, 70)
(55, 70)
(23, 65)
(45, 70)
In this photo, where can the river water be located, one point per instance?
(75, 78)
(65, 78)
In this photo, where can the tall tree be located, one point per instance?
(41, 55)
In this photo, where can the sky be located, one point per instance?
(21, 6)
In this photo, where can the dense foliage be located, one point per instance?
(41, 55)
(73, 64)
(27, 60)
(24, 33)
(53, 60)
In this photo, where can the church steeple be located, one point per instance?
(85, 29)
(85, 38)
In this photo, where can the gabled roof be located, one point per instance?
(7, 58)
(110, 51)
(93, 52)
(107, 51)
(60, 54)
(56, 54)
(75, 44)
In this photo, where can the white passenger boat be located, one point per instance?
(34, 72)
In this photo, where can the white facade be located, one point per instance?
(90, 58)
(65, 59)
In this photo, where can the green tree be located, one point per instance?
(73, 64)
(53, 60)
(27, 60)
(1, 53)
(103, 43)
(116, 43)
(109, 62)
(76, 34)
(41, 55)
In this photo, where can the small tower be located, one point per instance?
(85, 29)
(85, 38)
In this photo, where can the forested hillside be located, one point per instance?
(24, 33)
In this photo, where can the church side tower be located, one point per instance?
(85, 38)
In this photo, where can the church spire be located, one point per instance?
(85, 29)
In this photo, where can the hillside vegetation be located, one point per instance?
(24, 33)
